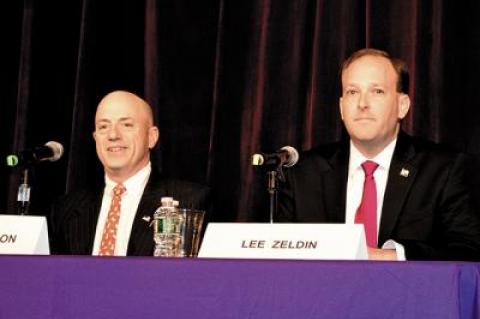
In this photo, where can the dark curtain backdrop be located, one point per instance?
(226, 79)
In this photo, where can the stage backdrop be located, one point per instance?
(226, 79)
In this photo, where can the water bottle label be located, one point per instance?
(23, 193)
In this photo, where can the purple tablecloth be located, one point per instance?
(119, 287)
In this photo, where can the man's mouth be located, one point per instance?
(361, 119)
(115, 149)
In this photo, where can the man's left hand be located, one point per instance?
(381, 254)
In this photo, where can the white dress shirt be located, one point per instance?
(128, 209)
(356, 179)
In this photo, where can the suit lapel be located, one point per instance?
(335, 184)
(82, 223)
(141, 237)
(400, 178)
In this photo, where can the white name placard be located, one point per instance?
(23, 235)
(284, 241)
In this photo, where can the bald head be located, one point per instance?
(125, 97)
(124, 134)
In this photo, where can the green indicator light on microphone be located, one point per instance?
(12, 160)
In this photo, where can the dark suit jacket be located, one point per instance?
(427, 211)
(73, 218)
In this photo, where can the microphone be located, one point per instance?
(287, 156)
(51, 151)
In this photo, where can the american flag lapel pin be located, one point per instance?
(404, 172)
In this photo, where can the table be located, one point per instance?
(142, 287)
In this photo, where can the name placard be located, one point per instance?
(23, 235)
(284, 241)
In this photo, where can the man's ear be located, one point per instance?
(153, 136)
(340, 103)
(403, 105)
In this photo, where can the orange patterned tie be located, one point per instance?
(107, 245)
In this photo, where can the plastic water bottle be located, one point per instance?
(167, 229)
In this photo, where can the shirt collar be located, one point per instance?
(134, 184)
(383, 159)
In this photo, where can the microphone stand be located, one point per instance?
(23, 195)
(273, 175)
(272, 191)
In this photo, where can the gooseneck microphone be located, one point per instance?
(287, 156)
(51, 151)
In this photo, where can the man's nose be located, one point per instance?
(113, 133)
(363, 102)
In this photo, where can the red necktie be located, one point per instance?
(109, 236)
(367, 211)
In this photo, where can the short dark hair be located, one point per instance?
(401, 68)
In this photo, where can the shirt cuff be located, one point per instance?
(399, 249)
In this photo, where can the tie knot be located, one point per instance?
(369, 167)
(119, 190)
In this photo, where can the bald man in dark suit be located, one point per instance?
(114, 220)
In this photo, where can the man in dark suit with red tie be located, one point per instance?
(410, 194)
(114, 220)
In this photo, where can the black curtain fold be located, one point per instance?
(225, 79)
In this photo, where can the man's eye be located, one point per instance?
(378, 91)
(129, 125)
(351, 92)
(101, 127)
